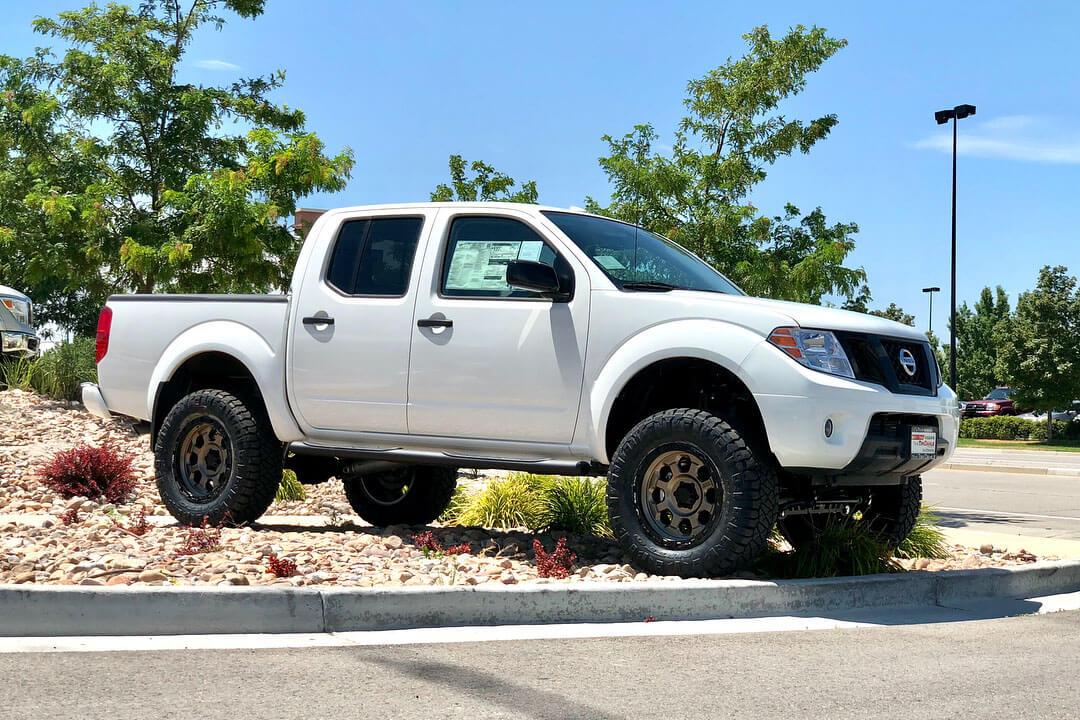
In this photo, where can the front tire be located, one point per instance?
(411, 495)
(687, 496)
(217, 460)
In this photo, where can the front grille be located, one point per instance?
(894, 425)
(876, 359)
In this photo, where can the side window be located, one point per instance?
(374, 257)
(478, 251)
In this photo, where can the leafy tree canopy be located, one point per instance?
(1041, 355)
(698, 194)
(980, 333)
(117, 176)
(486, 184)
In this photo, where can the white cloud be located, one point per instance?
(216, 65)
(1015, 137)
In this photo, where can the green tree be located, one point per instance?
(698, 194)
(1041, 355)
(980, 332)
(123, 178)
(896, 313)
(486, 184)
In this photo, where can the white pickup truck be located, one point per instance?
(418, 339)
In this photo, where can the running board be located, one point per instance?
(420, 457)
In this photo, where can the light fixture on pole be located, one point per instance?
(943, 116)
(930, 321)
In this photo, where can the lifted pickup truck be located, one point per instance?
(419, 339)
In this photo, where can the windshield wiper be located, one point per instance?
(650, 286)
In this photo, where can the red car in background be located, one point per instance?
(997, 402)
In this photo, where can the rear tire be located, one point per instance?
(217, 460)
(687, 496)
(891, 515)
(413, 495)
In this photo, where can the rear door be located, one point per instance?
(350, 334)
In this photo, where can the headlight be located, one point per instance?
(10, 341)
(19, 308)
(991, 406)
(816, 349)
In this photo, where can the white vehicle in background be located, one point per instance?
(418, 339)
(18, 339)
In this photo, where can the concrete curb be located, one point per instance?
(67, 610)
(1014, 469)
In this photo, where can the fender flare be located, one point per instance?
(715, 341)
(245, 345)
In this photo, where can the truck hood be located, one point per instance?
(12, 292)
(10, 323)
(765, 315)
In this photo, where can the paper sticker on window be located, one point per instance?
(609, 263)
(478, 265)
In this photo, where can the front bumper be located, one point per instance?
(94, 401)
(802, 400)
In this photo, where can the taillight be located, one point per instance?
(104, 325)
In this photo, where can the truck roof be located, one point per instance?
(456, 205)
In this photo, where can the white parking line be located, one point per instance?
(1007, 514)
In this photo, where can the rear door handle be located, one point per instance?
(434, 322)
(318, 320)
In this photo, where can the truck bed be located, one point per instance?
(145, 326)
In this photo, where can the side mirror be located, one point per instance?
(535, 276)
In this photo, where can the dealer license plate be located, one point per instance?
(923, 442)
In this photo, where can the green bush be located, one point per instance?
(57, 373)
(537, 502)
(1006, 427)
(507, 502)
(573, 504)
(842, 547)
(289, 489)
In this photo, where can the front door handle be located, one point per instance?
(434, 323)
(316, 320)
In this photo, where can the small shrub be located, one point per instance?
(137, 524)
(573, 504)
(93, 472)
(1006, 427)
(426, 541)
(507, 502)
(556, 564)
(198, 540)
(458, 502)
(843, 547)
(925, 540)
(289, 489)
(281, 567)
(70, 517)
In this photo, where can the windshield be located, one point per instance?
(632, 256)
(999, 394)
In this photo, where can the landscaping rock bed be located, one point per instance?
(319, 535)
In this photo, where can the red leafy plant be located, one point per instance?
(556, 564)
(137, 524)
(70, 516)
(427, 542)
(92, 472)
(281, 567)
(200, 540)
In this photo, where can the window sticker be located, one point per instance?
(609, 263)
(480, 265)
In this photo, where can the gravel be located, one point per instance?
(328, 545)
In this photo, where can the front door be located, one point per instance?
(489, 361)
(350, 333)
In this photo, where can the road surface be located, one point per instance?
(1015, 667)
(1030, 505)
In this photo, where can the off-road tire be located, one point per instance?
(425, 493)
(256, 459)
(739, 529)
(893, 511)
(891, 515)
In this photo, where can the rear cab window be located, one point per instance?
(374, 257)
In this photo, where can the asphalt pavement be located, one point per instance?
(1043, 506)
(1015, 667)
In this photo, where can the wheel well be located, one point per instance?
(205, 371)
(689, 383)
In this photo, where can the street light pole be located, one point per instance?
(943, 116)
(930, 321)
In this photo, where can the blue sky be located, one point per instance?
(531, 88)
